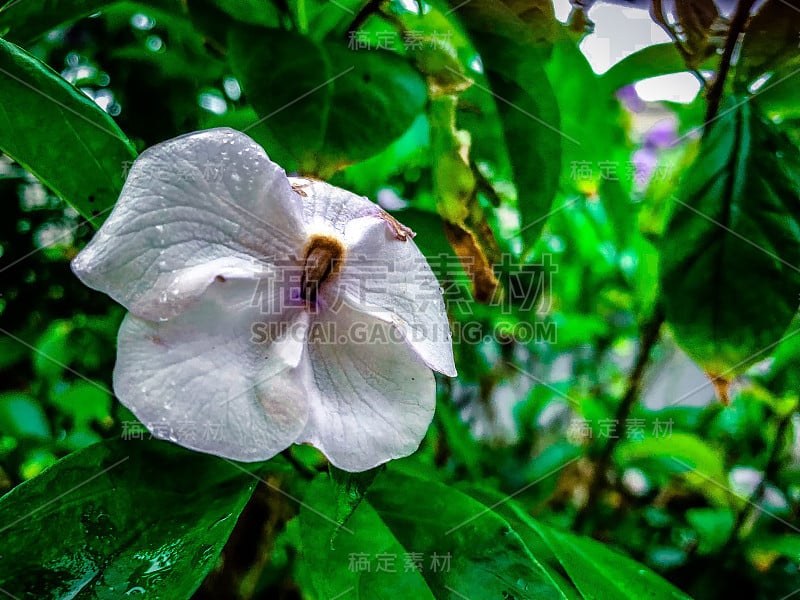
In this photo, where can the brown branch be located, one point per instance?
(650, 334)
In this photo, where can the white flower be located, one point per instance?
(266, 311)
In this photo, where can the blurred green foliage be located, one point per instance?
(564, 217)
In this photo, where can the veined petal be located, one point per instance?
(327, 208)
(375, 397)
(210, 381)
(390, 279)
(199, 206)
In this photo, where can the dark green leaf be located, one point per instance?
(771, 40)
(60, 135)
(22, 22)
(486, 553)
(323, 106)
(120, 517)
(350, 490)
(599, 572)
(461, 545)
(582, 567)
(729, 256)
(336, 558)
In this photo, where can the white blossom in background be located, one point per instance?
(265, 310)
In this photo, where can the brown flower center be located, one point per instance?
(323, 257)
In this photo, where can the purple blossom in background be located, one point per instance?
(645, 160)
(630, 99)
(663, 134)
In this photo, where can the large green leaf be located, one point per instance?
(583, 567)
(601, 573)
(730, 254)
(513, 61)
(60, 135)
(464, 548)
(334, 556)
(323, 106)
(120, 517)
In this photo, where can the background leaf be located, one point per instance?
(43, 119)
(323, 106)
(728, 257)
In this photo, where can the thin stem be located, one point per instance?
(770, 471)
(650, 335)
(718, 87)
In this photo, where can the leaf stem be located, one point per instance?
(649, 337)
(718, 87)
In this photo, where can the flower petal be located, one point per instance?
(193, 208)
(204, 380)
(376, 398)
(390, 279)
(330, 208)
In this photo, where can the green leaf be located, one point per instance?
(335, 560)
(117, 518)
(771, 41)
(652, 61)
(686, 453)
(350, 490)
(328, 19)
(599, 572)
(323, 106)
(462, 546)
(778, 96)
(22, 22)
(620, 210)
(583, 567)
(591, 119)
(729, 256)
(60, 135)
(787, 545)
(22, 416)
(486, 553)
(53, 350)
(513, 62)
(713, 527)
(84, 402)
